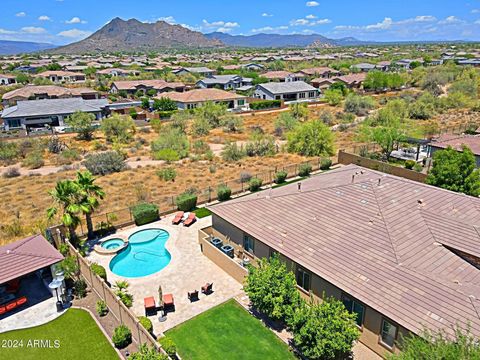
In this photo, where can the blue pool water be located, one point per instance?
(144, 255)
(112, 244)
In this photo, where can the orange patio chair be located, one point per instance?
(178, 218)
(150, 306)
(190, 220)
(168, 301)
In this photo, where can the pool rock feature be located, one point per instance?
(111, 246)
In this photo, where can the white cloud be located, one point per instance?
(307, 22)
(33, 30)
(7, 32)
(310, 16)
(475, 11)
(168, 19)
(267, 15)
(44, 18)
(228, 24)
(75, 20)
(269, 29)
(75, 33)
(385, 24)
(312, 3)
(21, 14)
(477, 22)
(450, 20)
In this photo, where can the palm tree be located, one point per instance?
(90, 193)
(65, 197)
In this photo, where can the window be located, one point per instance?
(241, 102)
(248, 243)
(301, 95)
(388, 334)
(354, 307)
(311, 94)
(303, 278)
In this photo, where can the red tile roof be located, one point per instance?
(383, 239)
(26, 256)
(457, 141)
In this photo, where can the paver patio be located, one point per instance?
(188, 270)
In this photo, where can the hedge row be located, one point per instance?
(265, 104)
(145, 213)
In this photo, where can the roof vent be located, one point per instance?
(299, 186)
(421, 202)
(379, 181)
(353, 178)
(9, 251)
(364, 201)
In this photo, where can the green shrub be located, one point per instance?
(99, 270)
(122, 337)
(8, 152)
(417, 167)
(304, 169)
(265, 104)
(145, 213)
(164, 104)
(80, 288)
(186, 201)
(102, 308)
(146, 323)
(169, 346)
(34, 160)
(167, 174)
(325, 164)
(224, 193)
(255, 184)
(170, 138)
(409, 164)
(133, 114)
(11, 172)
(168, 155)
(280, 177)
(165, 115)
(232, 152)
(104, 163)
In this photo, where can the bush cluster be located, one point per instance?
(255, 184)
(122, 337)
(105, 163)
(304, 169)
(145, 213)
(99, 270)
(146, 323)
(167, 174)
(186, 201)
(280, 177)
(224, 193)
(101, 308)
(325, 164)
(169, 346)
(265, 104)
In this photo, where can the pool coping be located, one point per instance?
(102, 251)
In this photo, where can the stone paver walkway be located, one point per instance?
(188, 270)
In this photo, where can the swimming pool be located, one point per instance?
(111, 244)
(145, 254)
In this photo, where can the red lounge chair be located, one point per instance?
(207, 288)
(11, 306)
(3, 310)
(149, 303)
(168, 301)
(178, 218)
(190, 220)
(21, 301)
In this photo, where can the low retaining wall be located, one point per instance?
(347, 158)
(227, 264)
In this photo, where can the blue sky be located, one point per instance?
(65, 21)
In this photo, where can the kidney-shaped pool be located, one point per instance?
(145, 254)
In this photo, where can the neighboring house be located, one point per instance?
(204, 71)
(38, 113)
(469, 62)
(115, 72)
(457, 142)
(287, 91)
(283, 76)
(322, 83)
(34, 92)
(27, 68)
(225, 82)
(254, 67)
(406, 63)
(62, 76)
(197, 97)
(321, 72)
(159, 86)
(383, 65)
(6, 79)
(363, 67)
(353, 81)
(401, 255)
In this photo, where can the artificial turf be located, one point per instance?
(74, 335)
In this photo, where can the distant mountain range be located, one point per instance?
(278, 41)
(8, 47)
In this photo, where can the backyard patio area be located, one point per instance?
(187, 271)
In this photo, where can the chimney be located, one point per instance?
(353, 178)
(299, 186)
(379, 181)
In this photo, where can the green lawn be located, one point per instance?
(202, 212)
(77, 334)
(227, 332)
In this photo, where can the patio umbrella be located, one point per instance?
(160, 295)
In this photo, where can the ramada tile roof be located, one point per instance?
(457, 141)
(26, 256)
(390, 242)
(199, 95)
